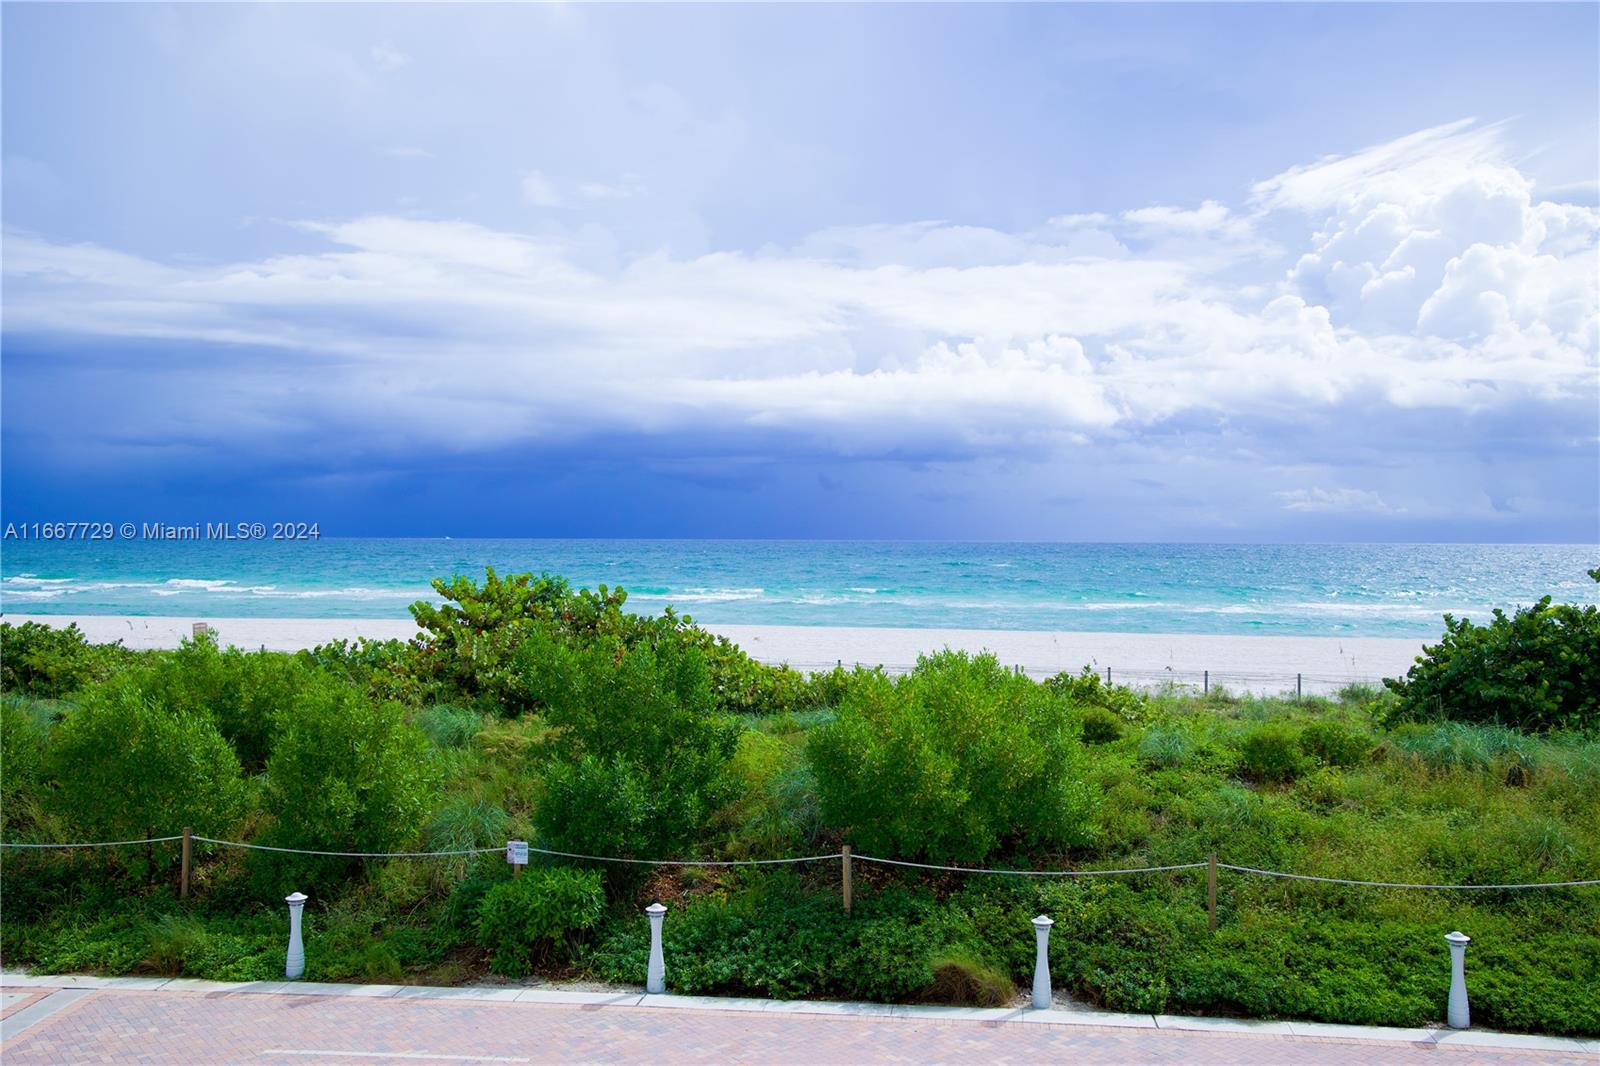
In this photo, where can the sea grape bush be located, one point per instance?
(47, 662)
(1536, 669)
(468, 647)
(468, 642)
(952, 762)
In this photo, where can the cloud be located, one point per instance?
(623, 188)
(407, 152)
(1379, 284)
(1334, 501)
(1438, 235)
(1210, 217)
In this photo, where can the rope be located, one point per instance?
(1032, 873)
(687, 862)
(540, 851)
(96, 843)
(349, 854)
(819, 858)
(1397, 884)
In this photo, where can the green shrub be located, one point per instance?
(1114, 946)
(1101, 726)
(742, 685)
(346, 774)
(385, 669)
(449, 727)
(540, 915)
(125, 767)
(240, 692)
(952, 761)
(47, 662)
(22, 755)
(1088, 689)
(469, 643)
(828, 687)
(1335, 745)
(1537, 669)
(1271, 752)
(637, 755)
(787, 946)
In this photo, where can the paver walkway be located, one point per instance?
(197, 1028)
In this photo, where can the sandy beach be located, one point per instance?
(1249, 663)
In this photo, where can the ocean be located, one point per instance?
(1399, 590)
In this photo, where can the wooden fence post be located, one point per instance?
(188, 848)
(1296, 686)
(845, 884)
(1211, 892)
(1205, 682)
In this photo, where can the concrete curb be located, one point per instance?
(1465, 1038)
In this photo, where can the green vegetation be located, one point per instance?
(636, 757)
(526, 710)
(127, 768)
(534, 918)
(1537, 669)
(957, 759)
(346, 773)
(48, 663)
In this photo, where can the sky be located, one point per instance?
(1076, 272)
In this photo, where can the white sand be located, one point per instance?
(1259, 664)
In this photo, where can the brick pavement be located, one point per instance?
(198, 1029)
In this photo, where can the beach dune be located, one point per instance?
(1267, 664)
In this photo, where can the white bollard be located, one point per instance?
(1458, 1014)
(1042, 997)
(655, 978)
(295, 965)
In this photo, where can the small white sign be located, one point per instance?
(517, 852)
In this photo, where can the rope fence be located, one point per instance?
(1032, 873)
(1457, 1009)
(95, 843)
(1396, 884)
(841, 855)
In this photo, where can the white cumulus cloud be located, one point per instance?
(1417, 276)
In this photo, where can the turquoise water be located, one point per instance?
(1359, 589)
